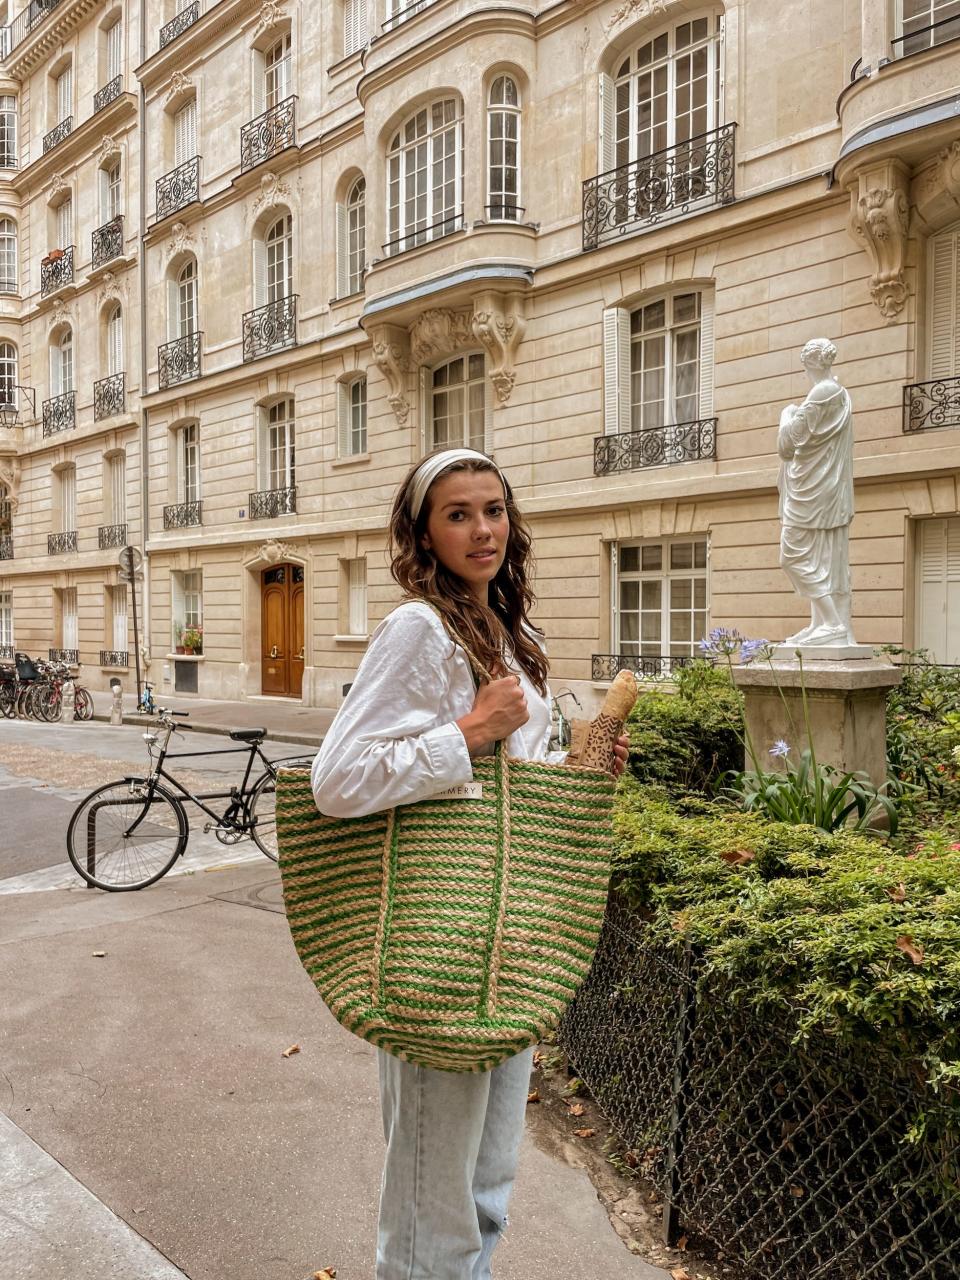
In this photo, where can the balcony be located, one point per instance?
(109, 396)
(6, 546)
(606, 666)
(26, 20)
(59, 413)
(56, 270)
(110, 92)
(59, 543)
(917, 39)
(269, 134)
(57, 135)
(114, 658)
(682, 179)
(182, 515)
(111, 535)
(107, 243)
(270, 503)
(402, 15)
(270, 328)
(179, 360)
(69, 656)
(178, 25)
(178, 188)
(928, 405)
(655, 447)
(424, 234)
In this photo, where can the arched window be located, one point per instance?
(352, 240)
(185, 300)
(9, 273)
(457, 404)
(111, 191)
(278, 245)
(115, 340)
(425, 177)
(276, 72)
(63, 94)
(503, 150)
(8, 132)
(8, 374)
(61, 364)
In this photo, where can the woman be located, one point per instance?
(409, 728)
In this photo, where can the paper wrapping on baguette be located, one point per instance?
(592, 743)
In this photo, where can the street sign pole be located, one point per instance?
(129, 552)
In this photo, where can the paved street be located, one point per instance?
(151, 1126)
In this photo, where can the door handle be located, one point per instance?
(300, 654)
(273, 652)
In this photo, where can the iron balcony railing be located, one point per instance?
(109, 93)
(176, 26)
(70, 656)
(931, 404)
(606, 666)
(504, 211)
(921, 38)
(114, 658)
(107, 242)
(401, 15)
(270, 328)
(59, 413)
(56, 270)
(109, 396)
(178, 188)
(7, 652)
(58, 543)
(57, 134)
(179, 360)
(111, 535)
(423, 235)
(25, 21)
(655, 447)
(181, 515)
(269, 503)
(268, 134)
(6, 546)
(657, 188)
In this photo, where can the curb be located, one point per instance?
(197, 726)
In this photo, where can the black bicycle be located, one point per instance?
(129, 833)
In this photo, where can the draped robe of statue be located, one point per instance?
(815, 444)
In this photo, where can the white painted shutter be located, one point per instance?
(357, 603)
(65, 224)
(65, 94)
(616, 370)
(939, 573)
(104, 196)
(185, 133)
(426, 409)
(488, 406)
(173, 311)
(343, 266)
(259, 272)
(120, 619)
(115, 341)
(606, 152)
(707, 356)
(343, 420)
(69, 629)
(259, 83)
(69, 502)
(114, 50)
(944, 290)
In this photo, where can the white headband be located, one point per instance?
(431, 467)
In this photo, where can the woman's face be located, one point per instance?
(468, 526)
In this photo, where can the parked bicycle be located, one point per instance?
(560, 725)
(33, 689)
(127, 834)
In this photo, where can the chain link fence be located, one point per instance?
(799, 1163)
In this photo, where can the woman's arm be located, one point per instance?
(385, 746)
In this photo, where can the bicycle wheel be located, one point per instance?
(83, 705)
(8, 699)
(123, 836)
(263, 811)
(47, 702)
(33, 699)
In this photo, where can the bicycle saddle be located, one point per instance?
(248, 735)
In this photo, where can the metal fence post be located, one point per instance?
(686, 1022)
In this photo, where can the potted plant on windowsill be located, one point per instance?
(178, 646)
(193, 639)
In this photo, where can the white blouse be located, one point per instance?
(395, 739)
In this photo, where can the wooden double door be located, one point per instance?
(281, 614)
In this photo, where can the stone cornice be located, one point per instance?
(48, 34)
(188, 47)
(82, 143)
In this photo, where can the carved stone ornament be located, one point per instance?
(179, 83)
(391, 356)
(10, 472)
(635, 10)
(880, 217)
(271, 13)
(439, 332)
(61, 314)
(273, 190)
(108, 147)
(181, 240)
(113, 288)
(498, 326)
(935, 193)
(273, 552)
(58, 183)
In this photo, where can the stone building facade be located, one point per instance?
(588, 237)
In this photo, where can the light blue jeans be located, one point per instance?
(452, 1143)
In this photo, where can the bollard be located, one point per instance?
(68, 701)
(116, 706)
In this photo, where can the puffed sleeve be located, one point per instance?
(385, 746)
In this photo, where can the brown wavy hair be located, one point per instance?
(484, 629)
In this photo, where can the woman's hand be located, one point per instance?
(621, 751)
(499, 709)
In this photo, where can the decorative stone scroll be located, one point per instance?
(273, 552)
(635, 10)
(10, 472)
(879, 222)
(935, 192)
(273, 190)
(180, 240)
(271, 13)
(391, 354)
(439, 332)
(108, 147)
(113, 288)
(179, 83)
(498, 327)
(58, 183)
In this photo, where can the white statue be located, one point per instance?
(815, 444)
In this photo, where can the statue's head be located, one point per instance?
(818, 353)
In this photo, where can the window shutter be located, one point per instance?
(104, 195)
(607, 125)
(616, 370)
(357, 601)
(259, 83)
(488, 394)
(343, 420)
(173, 310)
(185, 133)
(944, 288)
(343, 266)
(116, 341)
(259, 272)
(706, 353)
(426, 408)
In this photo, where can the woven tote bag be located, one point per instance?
(452, 932)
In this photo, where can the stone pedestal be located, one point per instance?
(846, 700)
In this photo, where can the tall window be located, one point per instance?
(8, 374)
(457, 404)
(114, 45)
(6, 622)
(185, 133)
(660, 595)
(351, 240)
(354, 26)
(356, 575)
(115, 340)
(185, 316)
(111, 192)
(925, 23)
(503, 150)
(118, 617)
(187, 600)
(943, 308)
(276, 72)
(8, 132)
(61, 373)
(352, 418)
(279, 459)
(65, 223)
(9, 271)
(116, 488)
(69, 628)
(67, 498)
(425, 176)
(665, 362)
(64, 94)
(188, 463)
(279, 251)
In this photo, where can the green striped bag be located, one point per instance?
(453, 932)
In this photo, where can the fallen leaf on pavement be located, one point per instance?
(584, 1133)
(533, 1095)
(98, 954)
(328, 1273)
(538, 1059)
(576, 1108)
(288, 1053)
(682, 1243)
(679, 1273)
(909, 948)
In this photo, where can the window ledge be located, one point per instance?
(354, 460)
(351, 639)
(185, 657)
(346, 299)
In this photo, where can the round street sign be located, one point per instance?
(130, 560)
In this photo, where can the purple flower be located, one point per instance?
(721, 641)
(780, 749)
(751, 650)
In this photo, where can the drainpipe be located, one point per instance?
(142, 274)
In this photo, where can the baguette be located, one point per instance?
(592, 742)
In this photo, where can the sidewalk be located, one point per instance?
(284, 720)
(143, 1038)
